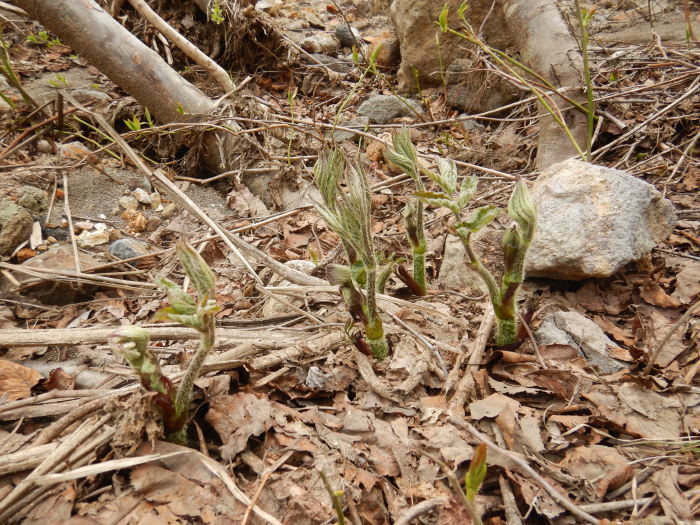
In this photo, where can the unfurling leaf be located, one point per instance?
(521, 209)
(328, 171)
(338, 274)
(181, 302)
(448, 175)
(197, 270)
(511, 243)
(477, 472)
(469, 186)
(442, 19)
(479, 218)
(437, 199)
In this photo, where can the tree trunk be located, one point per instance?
(547, 46)
(141, 72)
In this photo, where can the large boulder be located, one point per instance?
(593, 220)
(416, 28)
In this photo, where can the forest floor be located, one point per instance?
(286, 395)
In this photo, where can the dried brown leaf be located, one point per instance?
(602, 466)
(16, 381)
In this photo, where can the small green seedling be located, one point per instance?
(336, 498)
(216, 13)
(473, 480)
(131, 342)
(59, 81)
(349, 215)
(135, 124)
(43, 38)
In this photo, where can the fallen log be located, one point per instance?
(141, 72)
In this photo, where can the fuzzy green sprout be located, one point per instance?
(132, 341)
(349, 215)
(404, 156)
(515, 243)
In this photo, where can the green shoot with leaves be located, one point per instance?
(43, 38)
(132, 341)
(349, 215)
(404, 156)
(515, 243)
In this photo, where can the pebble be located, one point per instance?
(141, 195)
(169, 210)
(89, 239)
(128, 203)
(345, 37)
(127, 248)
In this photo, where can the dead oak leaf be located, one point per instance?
(602, 466)
(240, 416)
(16, 381)
(653, 294)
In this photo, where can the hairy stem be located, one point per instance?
(184, 392)
(506, 331)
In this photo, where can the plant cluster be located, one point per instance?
(455, 197)
(348, 214)
(132, 341)
(43, 38)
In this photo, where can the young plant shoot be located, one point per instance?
(515, 243)
(132, 341)
(348, 214)
(404, 156)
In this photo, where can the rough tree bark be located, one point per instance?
(548, 47)
(125, 60)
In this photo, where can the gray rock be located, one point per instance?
(15, 226)
(127, 248)
(322, 43)
(339, 135)
(474, 89)
(593, 220)
(334, 64)
(345, 37)
(573, 329)
(415, 24)
(273, 308)
(32, 199)
(382, 108)
(454, 271)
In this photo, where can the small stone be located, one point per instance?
(273, 308)
(339, 135)
(383, 108)
(345, 36)
(127, 248)
(32, 199)
(89, 239)
(141, 195)
(83, 225)
(320, 43)
(128, 203)
(168, 210)
(50, 240)
(15, 226)
(152, 223)
(573, 329)
(155, 200)
(43, 146)
(389, 54)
